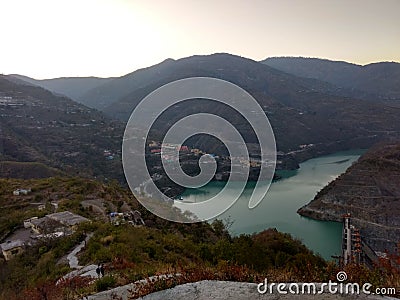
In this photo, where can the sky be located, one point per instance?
(104, 38)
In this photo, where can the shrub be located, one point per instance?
(105, 283)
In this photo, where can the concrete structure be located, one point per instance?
(46, 225)
(28, 222)
(68, 219)
(66, 222)
(354, 249)
(12, 248)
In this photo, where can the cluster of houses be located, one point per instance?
(155, 148)
(50, 226)
(9, 101)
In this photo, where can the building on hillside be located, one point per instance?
(68, 219)
(46, 226)
(12, 248)
(66, 222)
(19, 192)
(28, 222)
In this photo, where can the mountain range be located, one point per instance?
(376, 81)
(312, 113)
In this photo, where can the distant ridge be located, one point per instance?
(375, 81)
(301, 110)
(72, 87)
(56, 132)
(380, 80)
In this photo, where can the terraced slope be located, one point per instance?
(370, 191)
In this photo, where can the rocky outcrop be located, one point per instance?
(370, 191)
(221, 290)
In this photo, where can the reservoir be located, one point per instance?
(279, 207)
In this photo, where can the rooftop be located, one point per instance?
(67, 218)
(46, 222)
(11, 244)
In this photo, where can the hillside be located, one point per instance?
(377, 81)
(318, 111)
(197, 251)
(106, 94)
(300, 110)
(38, 126)
(26, 170)
(72, 87)
(370, 191)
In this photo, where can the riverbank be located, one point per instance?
(370, 192)
(285, 197)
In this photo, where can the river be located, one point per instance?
(279, 207)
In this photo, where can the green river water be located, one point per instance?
(279, 206)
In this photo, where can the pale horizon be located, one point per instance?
(116, 76)
(111, 38)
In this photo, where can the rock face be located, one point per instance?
(222, 290)
(370, 191)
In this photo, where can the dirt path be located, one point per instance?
(72, 258)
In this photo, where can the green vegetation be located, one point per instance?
(26, 170)
(133, 253)
(38, 264)
(195, 251)
(104, 283)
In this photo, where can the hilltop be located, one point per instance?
(72, 87)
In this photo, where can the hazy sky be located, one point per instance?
(54, 38)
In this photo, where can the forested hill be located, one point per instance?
(38, 126)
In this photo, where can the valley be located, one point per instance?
(60, 141)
